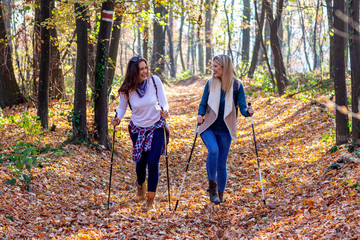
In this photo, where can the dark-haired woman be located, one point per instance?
(146, 98)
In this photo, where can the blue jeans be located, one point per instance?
(150, 160)
(218, 145)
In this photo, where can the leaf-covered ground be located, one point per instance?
(306, 199)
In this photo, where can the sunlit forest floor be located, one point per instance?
(310, 192)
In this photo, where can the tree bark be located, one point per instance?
(280, 73)
(258, 39)
(146, 35)
(79, 116)
(302, 23)
(56, 84)
(8, 5)
(289, 31)
(245, 51)
(355, 67)
(169, 32)
(228, 33)
(199, 41)
(157, 60)
(91, 63)
(114, 46)
(342, 129)
(43, 96)
(9, 90)
(208, 35)
(101, 82)
(329, 7)
(36, 48)
(315, 36)
(182, 20)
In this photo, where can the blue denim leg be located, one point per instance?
(218, 145)
(151, 160)
(224, 141)
(209, 139)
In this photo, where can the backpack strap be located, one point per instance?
(156, 91)
(236, 95)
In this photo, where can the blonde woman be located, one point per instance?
(223, 94)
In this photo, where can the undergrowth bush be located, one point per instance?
(22, 158)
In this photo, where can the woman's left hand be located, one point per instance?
(250, 110)
(164, 114)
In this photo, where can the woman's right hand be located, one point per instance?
(115, 121)
(201, 119)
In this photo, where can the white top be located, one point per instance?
(145, 111)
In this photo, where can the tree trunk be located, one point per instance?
(280, 72)
(315, 36)
(228, 33)
(56, 84)
(302, 23)
(190, 51)
(27, 60)
(43, 97)
(8, 5)
(91, 63)
(342, 129)
(182, 20)
(36, 48)
(9, 90)
(329, 7)
(79, 116)
(258, 39)
(321, 41)
(267, 47)
(171, 46)
(245, 51)
(146, 35)
(101, 82)
(289, 31)
(193, 50)
(114, 48)
(133, 43)
(208, 35)
(139, 41)
(157, 60)
(199, 41)
(355, 67)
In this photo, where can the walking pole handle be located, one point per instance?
(252, 122)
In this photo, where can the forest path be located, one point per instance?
(304, 199)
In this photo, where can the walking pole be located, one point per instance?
(167, 168)
(257, 156)
(167, 163)
(111, 166)
(187, 166)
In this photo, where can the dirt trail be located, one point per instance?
(305, 200)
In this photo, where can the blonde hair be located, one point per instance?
(228, 74)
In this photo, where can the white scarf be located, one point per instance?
(214, 98)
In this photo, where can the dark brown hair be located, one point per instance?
(132, 76)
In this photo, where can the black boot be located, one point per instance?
(221, 197)
(213, 192)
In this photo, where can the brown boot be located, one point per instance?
(150, 201)
(141, 190)
(221, 197)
